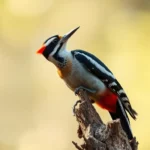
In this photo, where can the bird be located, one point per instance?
(82, 70)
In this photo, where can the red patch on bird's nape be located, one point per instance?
(41, 50)
(108, 102)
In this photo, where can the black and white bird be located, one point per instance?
(82, 70)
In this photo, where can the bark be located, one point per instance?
(96, 135)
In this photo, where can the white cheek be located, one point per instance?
(64, 46)
(55, 49)
(52, 60)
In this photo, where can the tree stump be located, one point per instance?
(96, 135)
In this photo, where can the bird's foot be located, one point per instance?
(77, 90)
(74, 107)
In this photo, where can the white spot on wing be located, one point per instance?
(105, 80)
(124, 99)
(121, 91)
(97, 65)
(112, 84)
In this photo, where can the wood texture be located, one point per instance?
(96, 135)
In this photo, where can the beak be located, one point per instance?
(41, 50)
(68, 35)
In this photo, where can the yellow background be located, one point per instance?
(35, 105)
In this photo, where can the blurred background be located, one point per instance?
(35, 105)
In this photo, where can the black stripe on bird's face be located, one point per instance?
(56, 56)
(50, 44)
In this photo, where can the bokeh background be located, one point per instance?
(35, 105)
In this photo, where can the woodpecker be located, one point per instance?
(82, 70)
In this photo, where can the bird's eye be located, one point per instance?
(55, 40)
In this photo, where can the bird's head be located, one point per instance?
(54, 46)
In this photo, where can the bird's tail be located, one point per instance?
(122, 115)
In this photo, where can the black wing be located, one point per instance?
(99, 69)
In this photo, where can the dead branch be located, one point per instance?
(97, 135)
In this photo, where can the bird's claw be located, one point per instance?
(77, 90)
